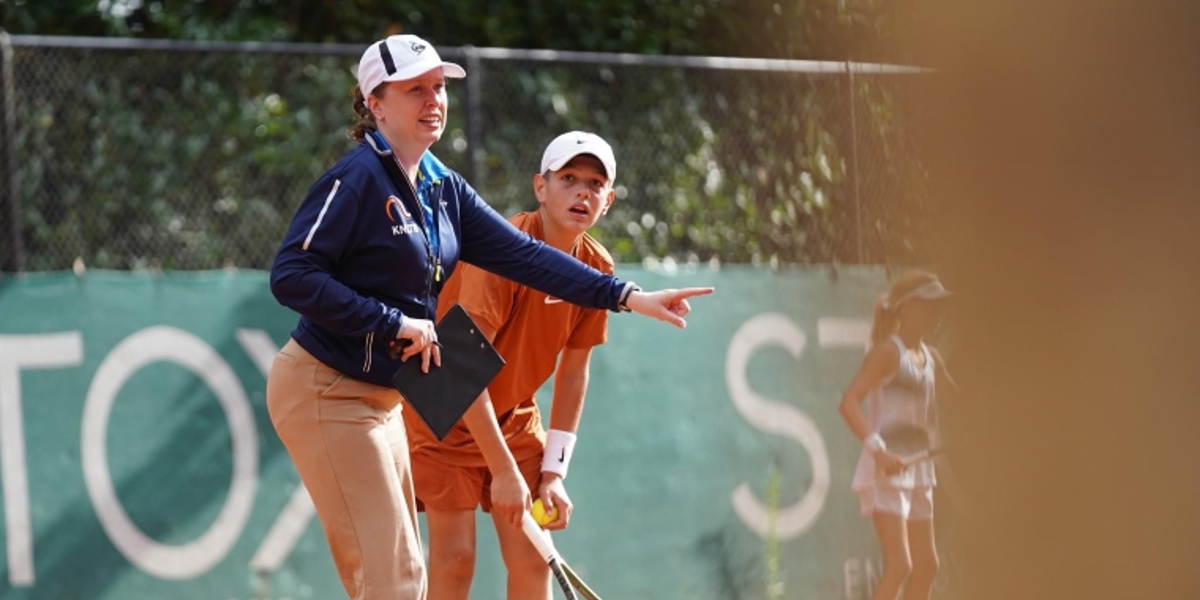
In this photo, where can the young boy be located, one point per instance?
(499, 451)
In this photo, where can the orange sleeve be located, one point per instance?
(591, 330)
(487, 297)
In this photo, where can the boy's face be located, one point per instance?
(575, 196)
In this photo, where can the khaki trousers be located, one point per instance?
(347, 440)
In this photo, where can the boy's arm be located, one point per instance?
(570, 389)
(490, 300)
(510, 495)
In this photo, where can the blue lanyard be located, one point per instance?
(424, 189)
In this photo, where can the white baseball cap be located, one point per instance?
(572, 144)
(400, 57)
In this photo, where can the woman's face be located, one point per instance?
(413, 111)
(922, 315)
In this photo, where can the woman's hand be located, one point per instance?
(669, 305)
(417, 336)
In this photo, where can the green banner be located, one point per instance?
(139, 462)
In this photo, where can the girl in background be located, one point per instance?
(897, 377)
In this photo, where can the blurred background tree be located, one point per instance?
(808, 29)
(186, 160)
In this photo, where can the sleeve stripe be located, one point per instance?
(336, 184)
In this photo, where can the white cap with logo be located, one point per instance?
(400, 57)
(572, 144)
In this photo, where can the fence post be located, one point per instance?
(861, 258)
(10, 154)
(474, 116)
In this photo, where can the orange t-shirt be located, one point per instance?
(532, 328)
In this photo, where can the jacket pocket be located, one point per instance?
(326, 379)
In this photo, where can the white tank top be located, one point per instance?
(906, 398)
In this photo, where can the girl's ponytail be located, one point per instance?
(886, 321)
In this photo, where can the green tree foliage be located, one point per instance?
(809, 29)
(134, 159)
(171, 160)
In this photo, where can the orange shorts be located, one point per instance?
(440, 486)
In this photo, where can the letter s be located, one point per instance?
(778, 418)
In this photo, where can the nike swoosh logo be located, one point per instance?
(550, 300)
(562, 457)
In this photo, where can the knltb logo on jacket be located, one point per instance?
(395, 207)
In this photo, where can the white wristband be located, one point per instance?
(874, 443)
(560, 445)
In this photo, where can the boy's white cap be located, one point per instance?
(572, 144)
(400, 57)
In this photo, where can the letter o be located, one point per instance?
(149, 345)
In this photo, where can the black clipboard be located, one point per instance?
(469, 364)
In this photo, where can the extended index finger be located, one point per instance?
(692, 292)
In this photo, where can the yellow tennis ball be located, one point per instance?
(539, 513)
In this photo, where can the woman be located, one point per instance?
(362, 262)
(899, 374)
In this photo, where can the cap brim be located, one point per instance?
(558, 163)
(561, 161)
(449, 69)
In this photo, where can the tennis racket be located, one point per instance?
(568, 580)
(911, 443)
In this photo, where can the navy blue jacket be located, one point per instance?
(355, 262)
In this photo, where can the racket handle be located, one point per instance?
(539, 538)
(921, 456)
(909, 461)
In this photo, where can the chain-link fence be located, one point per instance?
(129, 154)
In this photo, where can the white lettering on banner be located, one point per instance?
(841, 332)
(780, 418)
(874, 570)
(62, 350)
(285, 532)
(17, 352)
(150, 345)
(259, 347)
(850, 579)
(860, 576)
